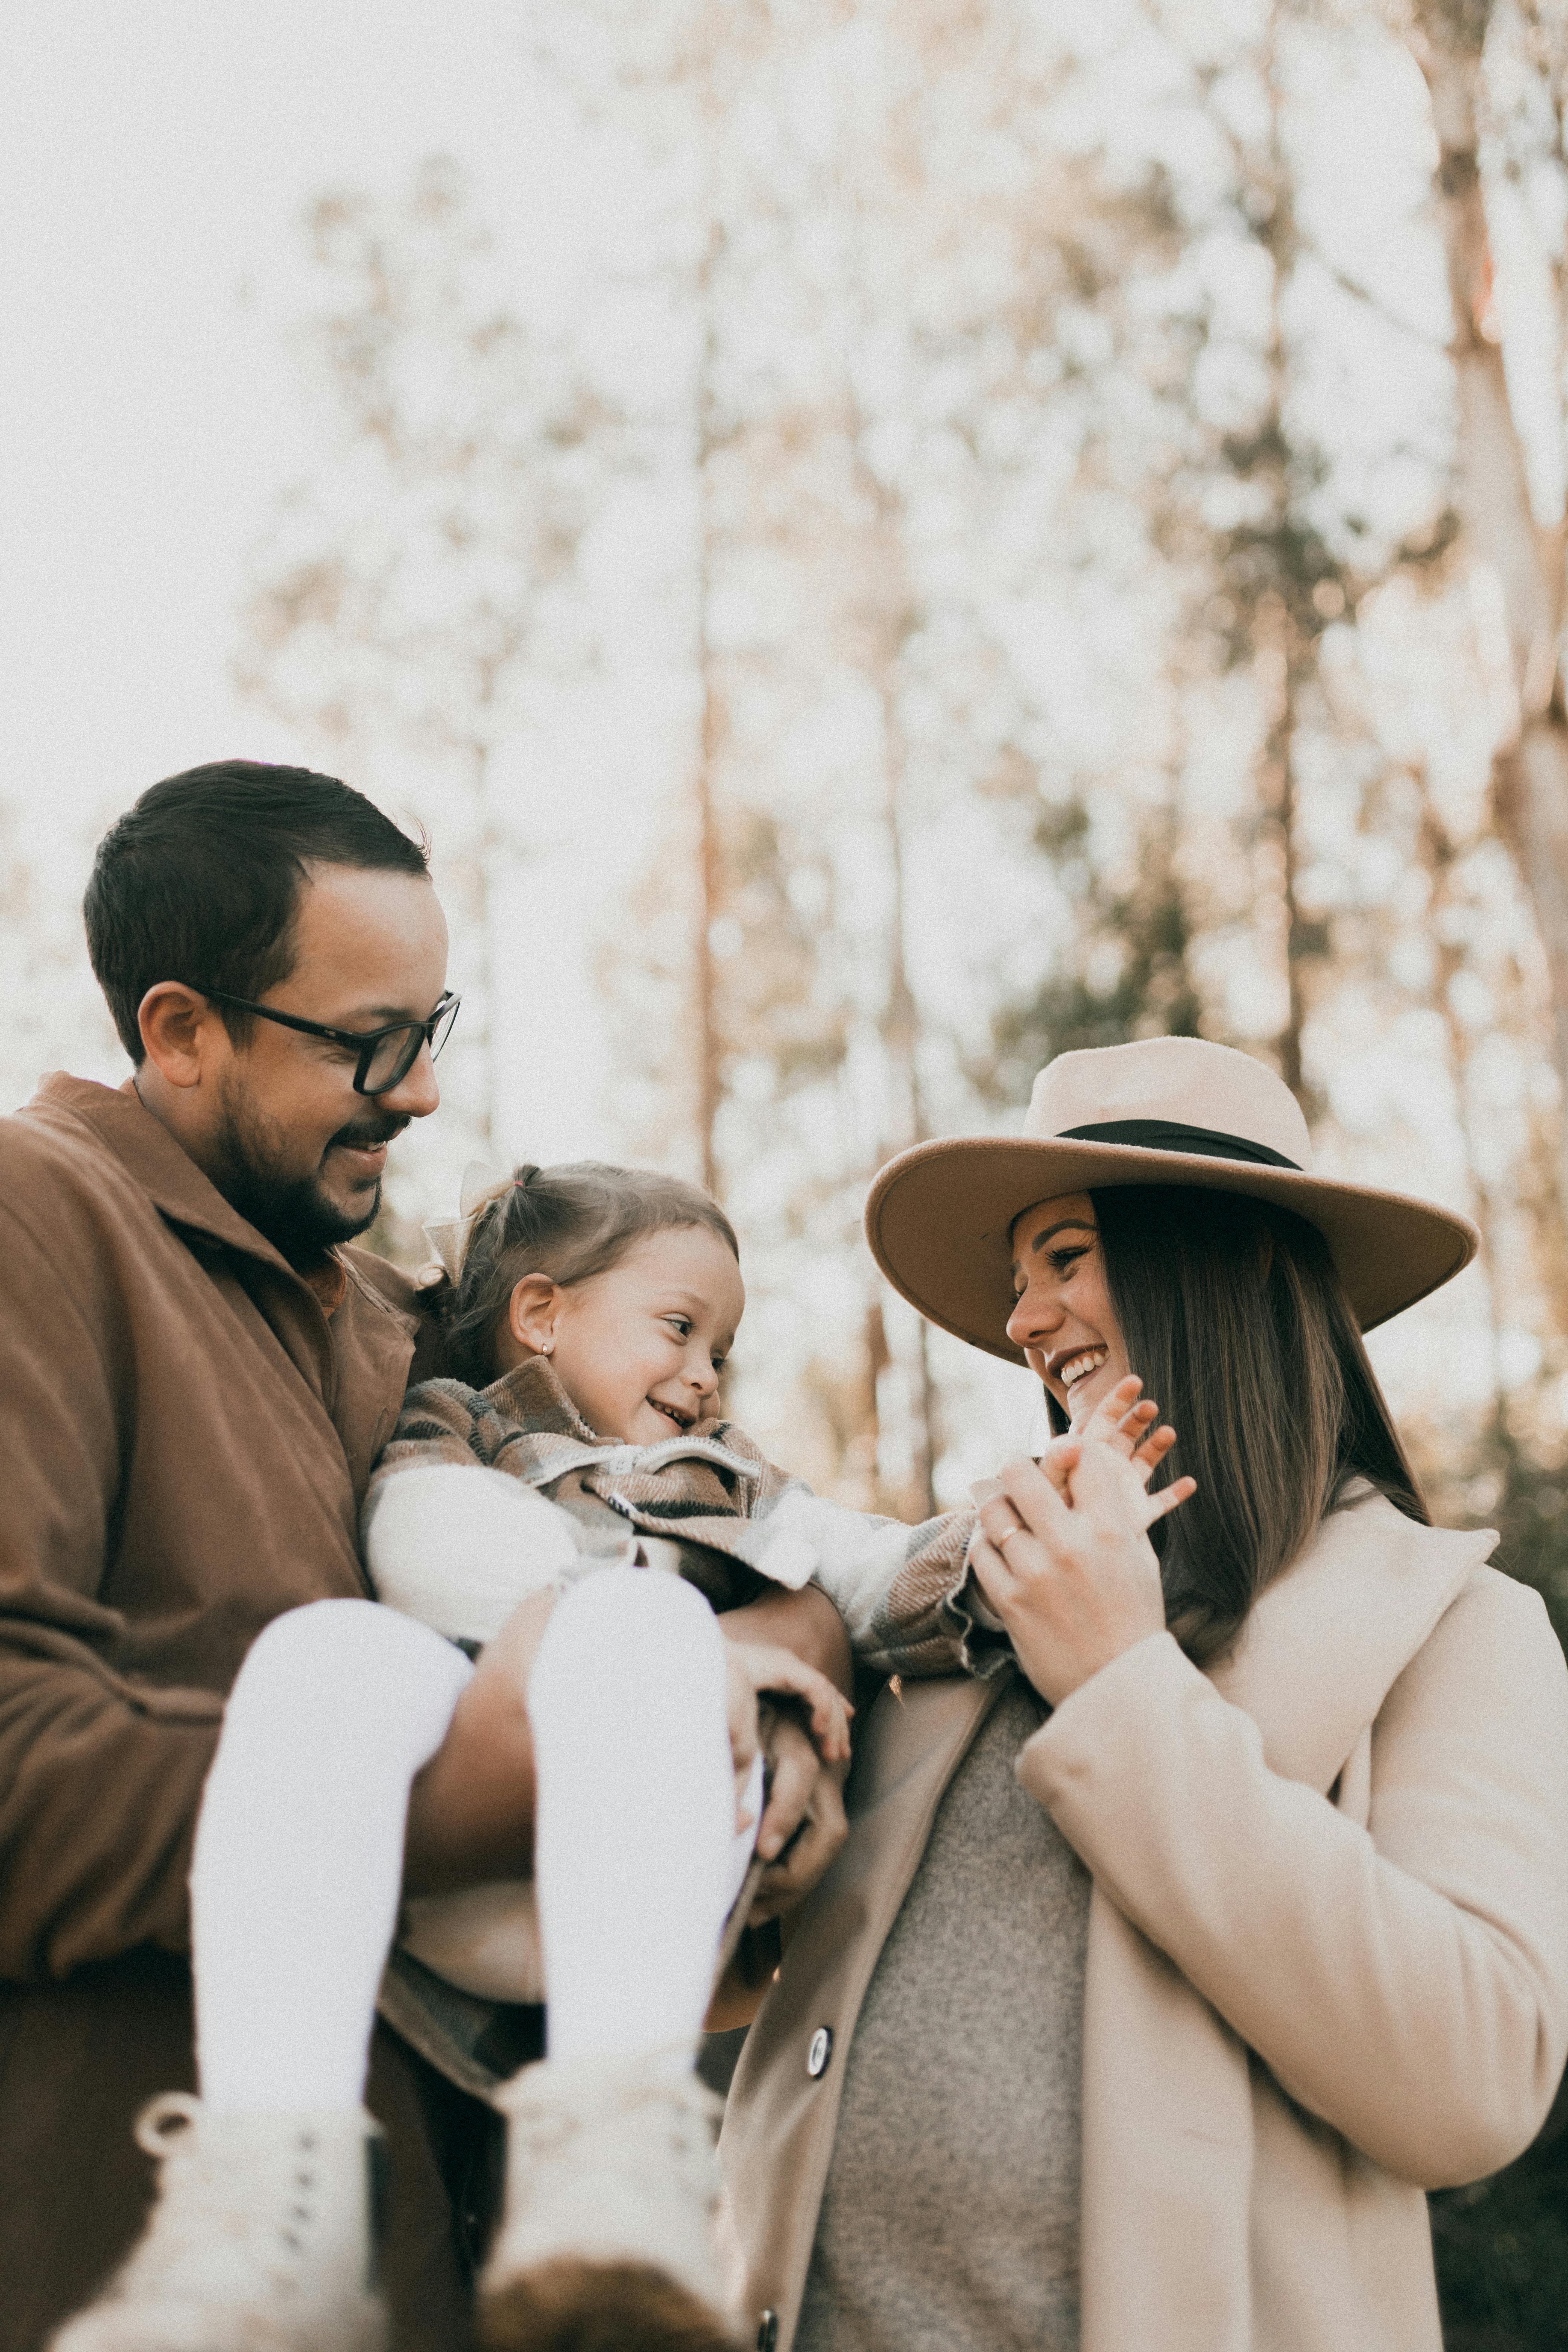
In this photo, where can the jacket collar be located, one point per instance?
(118, 1120)
(1324, 1645)
(531, 1397)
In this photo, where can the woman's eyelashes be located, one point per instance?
(1061, 1261)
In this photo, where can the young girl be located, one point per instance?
(577, 1460)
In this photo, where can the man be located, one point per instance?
(197, 1370)
(196, 1376)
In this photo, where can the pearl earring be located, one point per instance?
(547, 1348)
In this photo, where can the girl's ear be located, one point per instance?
(531, 1314)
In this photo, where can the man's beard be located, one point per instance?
(292, 1212)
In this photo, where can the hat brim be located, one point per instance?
(940, 1217)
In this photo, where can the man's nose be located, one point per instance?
(416, 1095)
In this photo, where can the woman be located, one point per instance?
(1223, 1908)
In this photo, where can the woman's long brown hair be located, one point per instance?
(1232, 1312)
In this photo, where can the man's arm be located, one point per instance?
(99, 1778)
(806, 1622)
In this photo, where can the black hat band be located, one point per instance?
(1175, 1135)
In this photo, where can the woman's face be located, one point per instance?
(1063, 1318)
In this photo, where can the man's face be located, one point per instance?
(291, 1146)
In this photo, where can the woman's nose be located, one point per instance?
(1034, 1317)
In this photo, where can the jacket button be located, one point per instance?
(768, 2333)
(820, 2052)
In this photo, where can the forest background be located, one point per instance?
(898, 540)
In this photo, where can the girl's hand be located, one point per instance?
(1125, 1421)
(1073, 1577)
(754, 1667)
(803, 1824)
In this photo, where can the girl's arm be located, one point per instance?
(460, 1546)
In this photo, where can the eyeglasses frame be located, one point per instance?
(364, 1039)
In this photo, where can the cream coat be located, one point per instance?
(1327, 1949)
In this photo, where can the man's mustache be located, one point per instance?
(363, 1135)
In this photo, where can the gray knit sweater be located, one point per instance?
(950, 2218)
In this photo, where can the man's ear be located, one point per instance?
(176, 1026)
(530, 1315)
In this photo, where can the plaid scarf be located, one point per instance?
(739, 1523)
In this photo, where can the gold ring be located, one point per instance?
(1007, 1535)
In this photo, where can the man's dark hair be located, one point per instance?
(200, 880)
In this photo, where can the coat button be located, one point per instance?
(820, 2052)
(768, 2333)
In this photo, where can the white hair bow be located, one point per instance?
(450, 1237)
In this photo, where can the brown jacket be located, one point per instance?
(1327, 1949)
(185, 1442)
(185, 1439)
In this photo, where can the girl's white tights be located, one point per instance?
(295, 1877)
(635, 1850)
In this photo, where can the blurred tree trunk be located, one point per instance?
(888, 627)
(1526, 555)
(1287, 647)
(709, 1057)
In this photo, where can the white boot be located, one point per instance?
(261, 2241)
(612, 2190)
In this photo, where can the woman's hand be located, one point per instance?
(1072, 1575)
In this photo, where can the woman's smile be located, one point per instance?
(1062, 1317)
(1064, 1370)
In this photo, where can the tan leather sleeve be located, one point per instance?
(1406, 1981)
(99, 1781)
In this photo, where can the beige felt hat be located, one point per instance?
(1166, 1110)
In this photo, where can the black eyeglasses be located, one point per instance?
(386, 1055)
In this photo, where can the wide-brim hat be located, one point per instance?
(1166, 1110)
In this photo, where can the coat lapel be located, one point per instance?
(1167, 2094)
(1326, 1641)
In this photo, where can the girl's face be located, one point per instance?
(639, 1349)
(1063, 1318)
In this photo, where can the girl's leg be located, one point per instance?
(612, 2180)
(299, 1851)
(263, 2231)
(635, 1846)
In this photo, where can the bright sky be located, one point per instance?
(154, 166)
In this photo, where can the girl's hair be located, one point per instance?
(569, 1223)
(1233, 1313)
